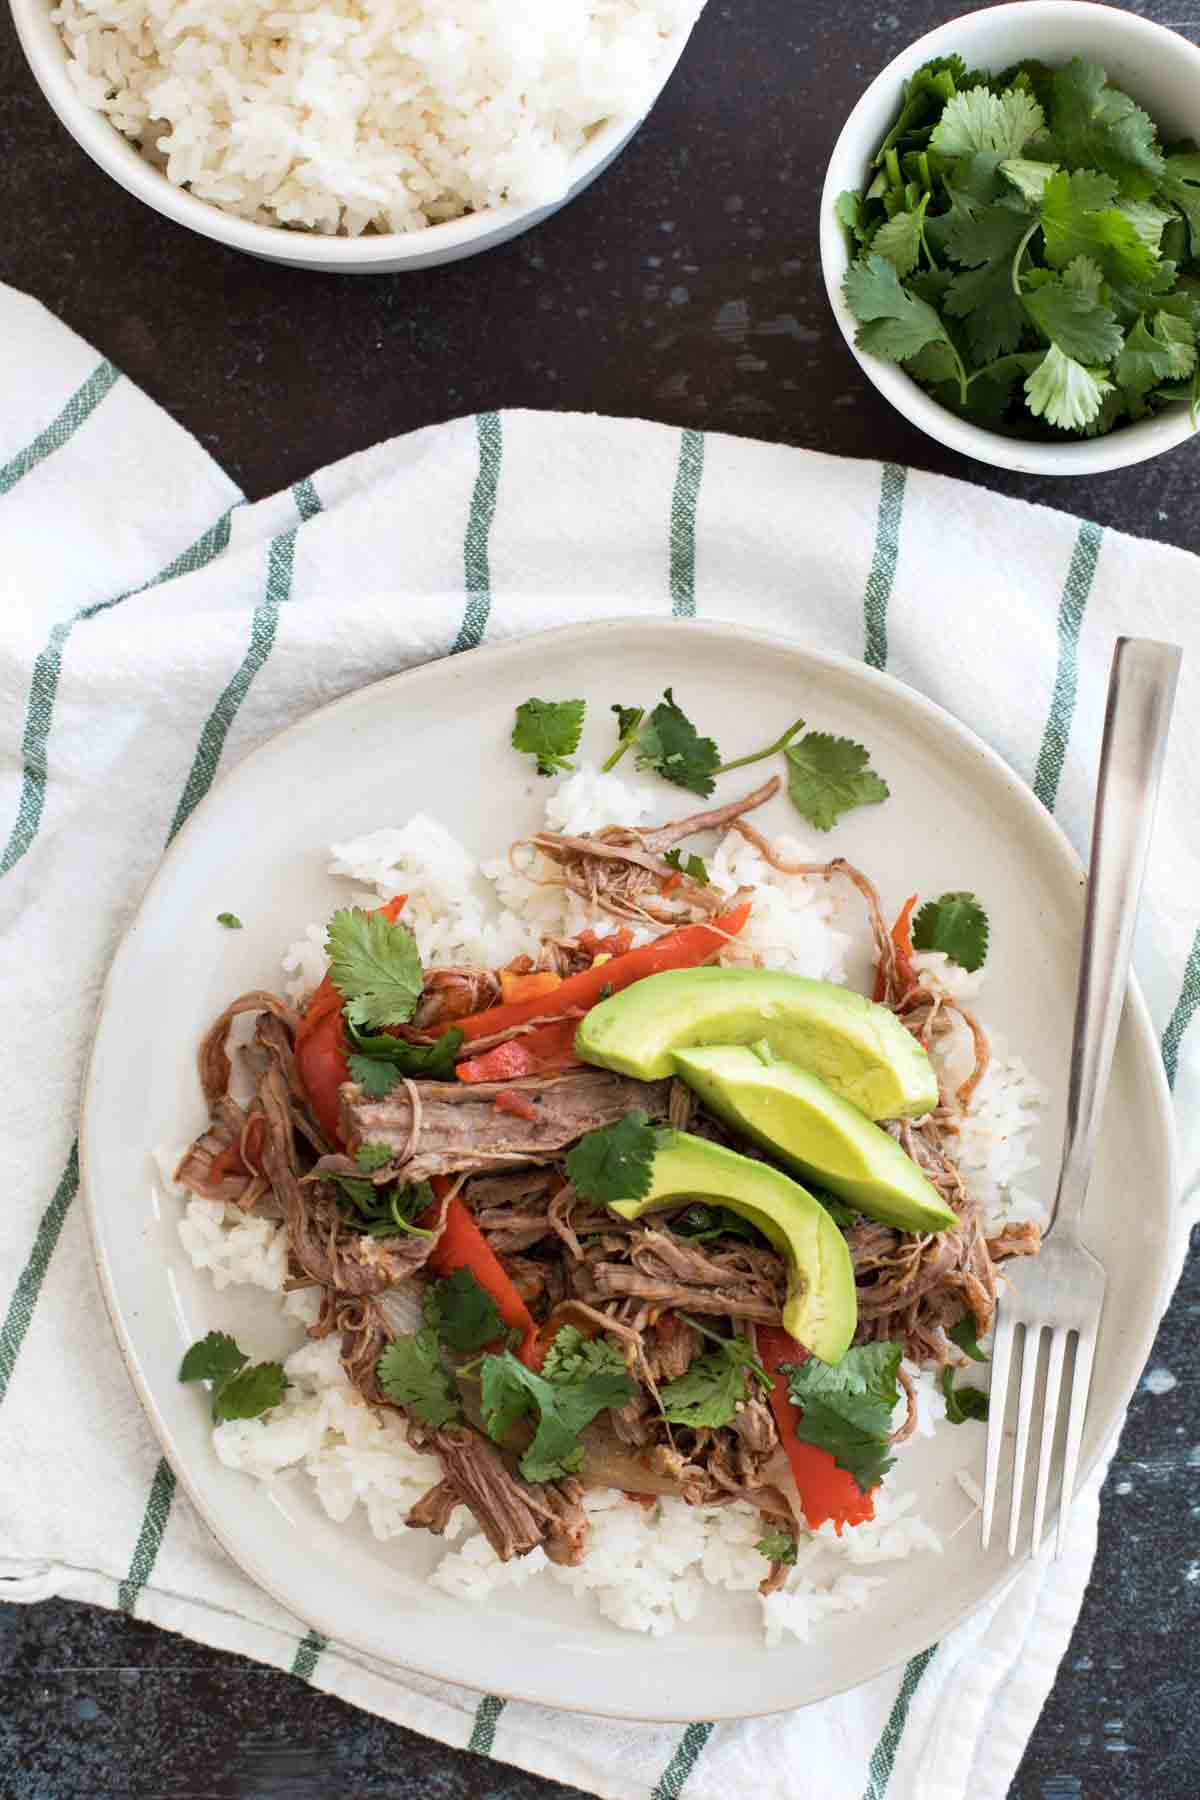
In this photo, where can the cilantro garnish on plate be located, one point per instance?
(957, 924)
(615, 1162)
(549, 730)
(412, 1375)
(847, 1408)
(828, 776)
(778, 1546)
(377, 1061)
(375, 966)
(580, 1378)
(694, 868)
(230, 921)
(714, 1385)
(240, 1389)
(1029, 250)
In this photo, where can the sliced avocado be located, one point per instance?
(821, 1310)
(812, 1130)
(860, 1049)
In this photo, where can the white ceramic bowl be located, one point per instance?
(382, 254)
(1162, 72)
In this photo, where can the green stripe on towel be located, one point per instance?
(43, 688)
(684, 500)
(308, 501)
(80, 406)
(1184, 1013)
(308, 1654)
(688, 1751)
(1072, 606)
(477, 566)
(883, 564)
(883, 1759)
(150, 1537)
(280, 561)
(483, 1732)
(29, 1282)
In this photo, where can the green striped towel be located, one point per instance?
(157, 628)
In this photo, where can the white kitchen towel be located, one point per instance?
(154, 629)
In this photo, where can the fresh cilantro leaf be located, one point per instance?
(1095, 126)
(848, 208)
(703, 1222)
(694, 868)
(230, 921)
(1073, 318)
(370, 1157)
(957, 924)
(465, 1313)
(375, 967)
(1080, 217)
(1163, 350)
(1148, 220)
(980, 120)
(828, 776)
(378, 1060)
(253, 1391)
(962, 1403)
(388, 1210)
(778, 1546)
(240, 1389)
(669, 744)
(1028, 177)
(963, 1334)
(550, 730)
(1065, 393)
(847, 1408)
(713, 1386)
(1181, 186)
(616, 1162)
(983, 295)
(214, 1358)
(899, 238)
(892, 322)
(564, 1399)
(412, 1375)
(573, 1357)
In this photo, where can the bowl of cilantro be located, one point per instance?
(1010, 236)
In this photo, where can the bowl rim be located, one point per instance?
(1132, 443)
(119, 157)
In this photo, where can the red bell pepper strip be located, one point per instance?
(520, 1106)
(902, 939)
(548, 1048)
(321, 1047)
(682, 949)
(463, 1246)
(826, 1491)
(616, 943)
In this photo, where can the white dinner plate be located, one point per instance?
(436, 739)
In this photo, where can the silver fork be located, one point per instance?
(1062, 1290)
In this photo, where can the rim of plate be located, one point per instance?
(514, 650)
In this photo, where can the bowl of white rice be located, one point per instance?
(349, 136)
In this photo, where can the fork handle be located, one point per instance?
(1141, 694)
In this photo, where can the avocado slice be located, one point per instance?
(860, 1049)
(821, 1310)
(812, 1130)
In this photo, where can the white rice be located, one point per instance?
(343, 116)
(647, 1569)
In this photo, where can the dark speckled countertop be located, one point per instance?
(683, 286)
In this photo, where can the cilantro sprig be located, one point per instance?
(615, 1162)
(847, 1408)
(1029, 250)
(377, 1061)
(711, 1389)
(695, 868)
(579, 1378)
(412, 1375)
(375, 966)
(549, 730)
(828, 776)
(778, 1545)
(957, 924)
(240, 1389)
